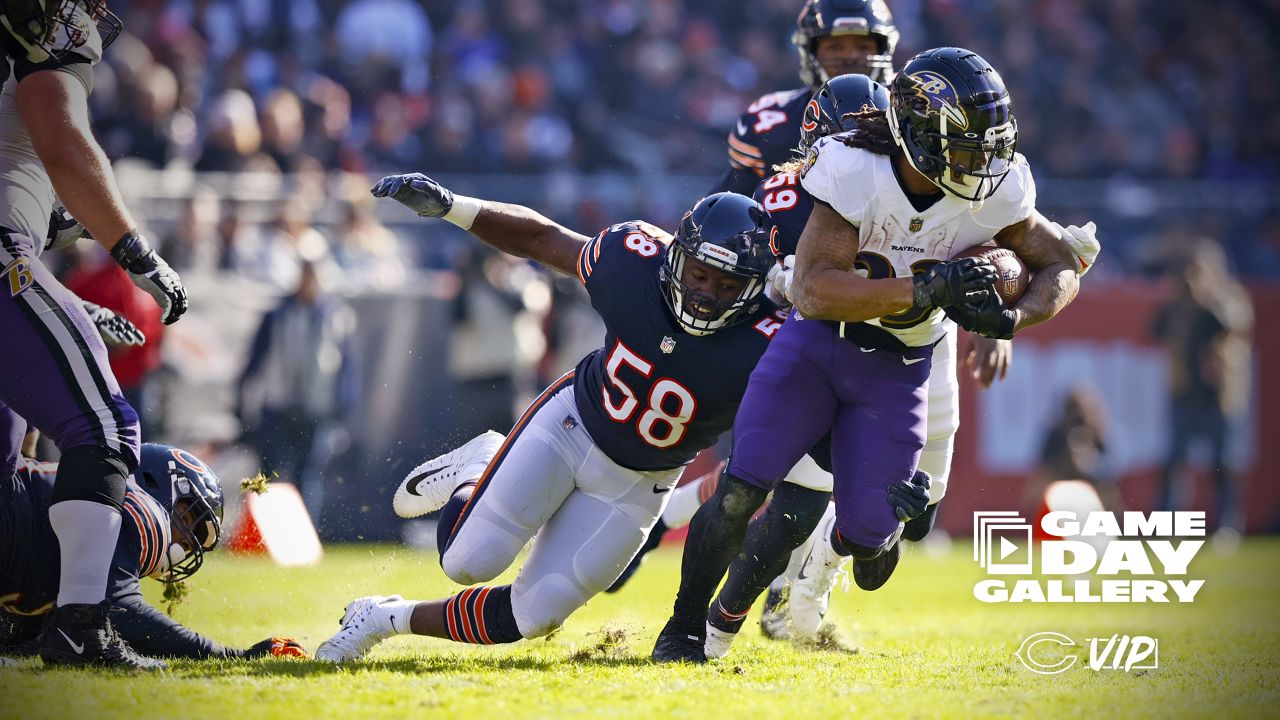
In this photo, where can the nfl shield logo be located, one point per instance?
(667, 345)
(916, 224)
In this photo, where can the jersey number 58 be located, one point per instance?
(668, 409)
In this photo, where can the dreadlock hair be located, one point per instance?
(872, 133)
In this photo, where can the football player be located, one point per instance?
(832, 37)
(893, 201)
(590, 464)
(61, 381)
(172, 517)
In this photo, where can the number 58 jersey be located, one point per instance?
(895, 239)
(654, 396)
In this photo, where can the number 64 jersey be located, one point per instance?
(654, 396)
(895, 239)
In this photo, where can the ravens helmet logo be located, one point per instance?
(939, 97)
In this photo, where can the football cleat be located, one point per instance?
(430, 485)
(811, 590)
(8, 662)
(874, 573)
(83, 635)
(717, 643)
(680, 644)
(775, 619)
(363, 626)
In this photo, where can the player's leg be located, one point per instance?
(788, 406)
(943, 422)
(876, 444)
(483, 526)
(62, 384)
(766, 551)
(13, 430)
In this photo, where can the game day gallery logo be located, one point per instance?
(1105, 557)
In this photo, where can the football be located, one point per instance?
(1013, 273)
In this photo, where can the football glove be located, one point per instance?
(779, 280)
(150, 272)
(277, 647)
(911, 498)
(64, 230)
(417, 192)
(988, 317)
(114, 329)
(954, 282)
(1084, 244)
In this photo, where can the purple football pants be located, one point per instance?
(53, 364)
(810, 381)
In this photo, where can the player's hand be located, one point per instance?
(779, 280)
(954, 282)
(989, 317)
(150, 272)
(114, 329)
(417, 192)
(910, 499)
(277, 647)
(1084, 244)
(989, 359)
(64, 230)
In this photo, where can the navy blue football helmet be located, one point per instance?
(60, 26)
(949, 112)
(832, 108)
(730, 233)
(189, 490)
(825, 18)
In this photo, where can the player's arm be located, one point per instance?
(151, 632)
(513, 229)
(54, 107)
(825, 287)
(1054, 282)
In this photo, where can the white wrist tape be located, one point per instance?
(464, 211)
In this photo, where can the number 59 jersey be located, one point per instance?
(895, 239)
(654, 396)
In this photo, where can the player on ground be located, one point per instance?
(61, 381)
(872, 274)
(172, 517)
(590, 464)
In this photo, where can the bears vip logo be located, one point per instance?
(936, 96)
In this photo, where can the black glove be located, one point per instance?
(417, 192)
(989, 317)
(277, 647)
(114, 329)
(953, 282)
(911, 498)
(150, 272)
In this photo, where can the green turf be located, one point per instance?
(920, 647)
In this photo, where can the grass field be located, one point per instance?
(921, 647)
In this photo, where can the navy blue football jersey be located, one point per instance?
(654, 396)
(789, 204)
(30, 585)
(765, 135)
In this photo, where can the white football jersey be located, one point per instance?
(896, 240)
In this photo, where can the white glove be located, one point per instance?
(1084, 244)
(64, 230)
(779, 281)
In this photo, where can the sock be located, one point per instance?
(87, 533)
(398, 614)
(767, 549)
(482, 616)
(715, 536)
(685, 501)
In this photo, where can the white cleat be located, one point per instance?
(718, 642)
(775, 618)
(362, 628)
(811, 590)
(430, 485)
